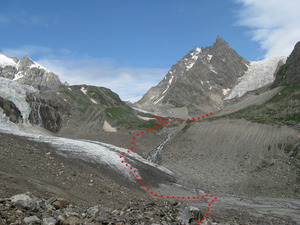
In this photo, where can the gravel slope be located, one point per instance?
(235, 157)
(28, 166)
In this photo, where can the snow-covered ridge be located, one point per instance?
(259, 74)
(36, 65)
(6, 61)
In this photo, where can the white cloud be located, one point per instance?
(129, 83)
(28, 50)
(273, 23)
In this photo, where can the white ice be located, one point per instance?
(16, 93)
(259, 74)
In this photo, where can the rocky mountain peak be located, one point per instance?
(199, 80)
(26, 71)
(220, 42)
(24, 63)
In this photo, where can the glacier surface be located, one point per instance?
(16, 93)
(259, 74)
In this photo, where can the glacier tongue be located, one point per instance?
(259, 74)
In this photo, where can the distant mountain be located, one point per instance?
(26, 71)
(289, 73)
(203, 79)
(33, 95)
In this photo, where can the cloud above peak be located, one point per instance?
(273, 23)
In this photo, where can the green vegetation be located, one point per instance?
(263, 165)
(125, 116)
(110, 105)
(286, 147)
(282, 109)
(281, 74)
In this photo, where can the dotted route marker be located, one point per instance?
(166, 121)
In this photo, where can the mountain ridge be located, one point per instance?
(203, 79)
(26, 71)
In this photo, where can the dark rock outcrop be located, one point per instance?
(289, 73)
(48, 110)
(10, 110)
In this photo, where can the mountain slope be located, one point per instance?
(289, 73)
(283, 108)
(253, 151)
(199, 79)
(205, 79)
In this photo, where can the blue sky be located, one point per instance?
(129, 45)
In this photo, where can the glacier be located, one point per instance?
(99, 153)
(259, 74)
(16, 93)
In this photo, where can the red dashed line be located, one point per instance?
(165, 122)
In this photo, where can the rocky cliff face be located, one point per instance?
(289, 73)
(200, 79)
(205, 78)
(26, 71)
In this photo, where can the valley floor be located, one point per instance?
(28, 166)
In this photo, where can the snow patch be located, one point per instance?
(18, 76)
(209, 57)
(141, 110)
(36, 65)
(212, 69)
(93, 100)
(108, 128)
(83, 90)
(70, 89)
(145, 118)
(195, 55)
(159, 100)
(225, 91)
(259, 74)
(169, 83)
(6, 61)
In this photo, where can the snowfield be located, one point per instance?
(6, 61)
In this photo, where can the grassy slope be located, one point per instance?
(110, 107)
(282, 109)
